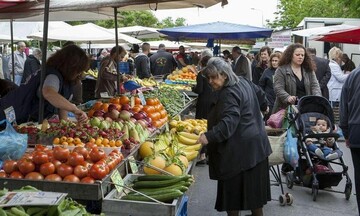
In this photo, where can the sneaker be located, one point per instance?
(332, 156)
(319, 153)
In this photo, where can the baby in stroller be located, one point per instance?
(325, 150)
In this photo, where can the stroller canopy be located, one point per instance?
(316, 104)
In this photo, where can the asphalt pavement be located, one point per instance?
(202, 196)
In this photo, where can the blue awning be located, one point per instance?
(217, 30)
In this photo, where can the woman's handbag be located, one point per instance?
(13, 144)
(275, 120)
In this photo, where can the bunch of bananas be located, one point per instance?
(146, 82)
(196, 126)
(93, 73)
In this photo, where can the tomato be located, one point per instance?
(34, 176)
(3, 174)
(71, 178)
(41, 148)
(40, 157)
(98, 171)
(10, 166)
(97, 154)
(53, 177)
(81, 150)
(90, 145)
(64, 170)
(56, 163)
(26, 166)
(50, 154)
(81, 171)
(61, 154)
(47, 168)
(88, 164)
(16, 175)
(88, 180)
(75, 159)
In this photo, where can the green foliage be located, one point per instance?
(291, 12)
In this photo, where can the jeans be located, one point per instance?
(18, 79)
(326, 150)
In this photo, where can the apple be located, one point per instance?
(114, 114)
(112, 107)
(138, 116)
(125, 115)
(98, 113)
(95, 121)
(126, 107)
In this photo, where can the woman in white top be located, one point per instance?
(338, 77)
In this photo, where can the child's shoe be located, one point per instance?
(319, 153)
(332, 156)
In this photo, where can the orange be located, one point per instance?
(105, 141)
(92, 140)
(91, 113)
(112, 143)
(124, 100)
(56, 140)
(118, 143)
(150, 101)
(105, 107)
(136, 109)
(98, 141)
(137, 101)
(97, 105)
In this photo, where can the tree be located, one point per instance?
(291, 12)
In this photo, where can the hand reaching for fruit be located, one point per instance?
(203, 140)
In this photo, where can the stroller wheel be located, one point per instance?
(315, 191)
(290, 180)
(289, 199)
(347, 192)
(282, 200)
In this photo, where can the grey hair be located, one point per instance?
(218, 66)
(206, 52)
(21, 43)
(37, 51)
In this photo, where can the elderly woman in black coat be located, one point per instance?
(238, 146)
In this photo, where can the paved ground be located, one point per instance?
(203, 192)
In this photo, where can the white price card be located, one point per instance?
(10, 114)
(133, 165)
(117, 180)
(142, 98)
(104, 95)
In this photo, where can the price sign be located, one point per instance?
(10, 114)
(142, 98)
(117, 180)
(104, 94)
(133, 165)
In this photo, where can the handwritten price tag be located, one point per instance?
(117, 180)
(133, 165)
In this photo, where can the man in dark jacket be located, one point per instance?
(162, 62)
(32, 65)
(142, 62)
(241, 65)
(323, 72)
(350, 122)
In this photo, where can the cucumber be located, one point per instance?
(157, 184)
(165, 197)
(151, 193)
(180, 186)
(156, 177)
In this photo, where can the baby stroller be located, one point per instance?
(313, 171)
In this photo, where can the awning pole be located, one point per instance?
(117, 52)
(12, 50)
(43, 60)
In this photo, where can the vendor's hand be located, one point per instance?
(80, 115)
(292, 99)
(347, 143)
(203, 140)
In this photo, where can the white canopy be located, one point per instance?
(23, 29)
(7, 39)
(84, 33)
(320, 30)
(140, 32)
(171, 45)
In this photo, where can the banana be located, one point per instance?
(191, 155)
(195, 147)
(189, 135)
(186, 141)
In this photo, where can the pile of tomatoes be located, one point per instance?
(82, 164)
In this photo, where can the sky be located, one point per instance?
(236, 11)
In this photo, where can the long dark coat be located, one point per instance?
(206, 97)
(236, 132)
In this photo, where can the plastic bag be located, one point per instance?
(13, 145)
(291, 154)
(275, 120)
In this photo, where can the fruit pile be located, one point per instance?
(82, 164)
(196, 126)
(160, 187)
(185, 75)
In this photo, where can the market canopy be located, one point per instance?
(34, 8)
(140, 32)
(350, 36)
(320, 30)
(83, 33)
(217, 30)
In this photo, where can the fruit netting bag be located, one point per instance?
(12, 144)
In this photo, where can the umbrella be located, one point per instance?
(350, 36)
(169, 45)
(140, 32)
(7, 38)
(320, 30)
(217, 30)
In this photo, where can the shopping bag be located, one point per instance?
(277, 145)
(291, 154)
(13, 144)
(275, 120)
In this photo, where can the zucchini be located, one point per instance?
(165, 197)
(155, 192)
(156, 177)
(180, 186)
(157, 184)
